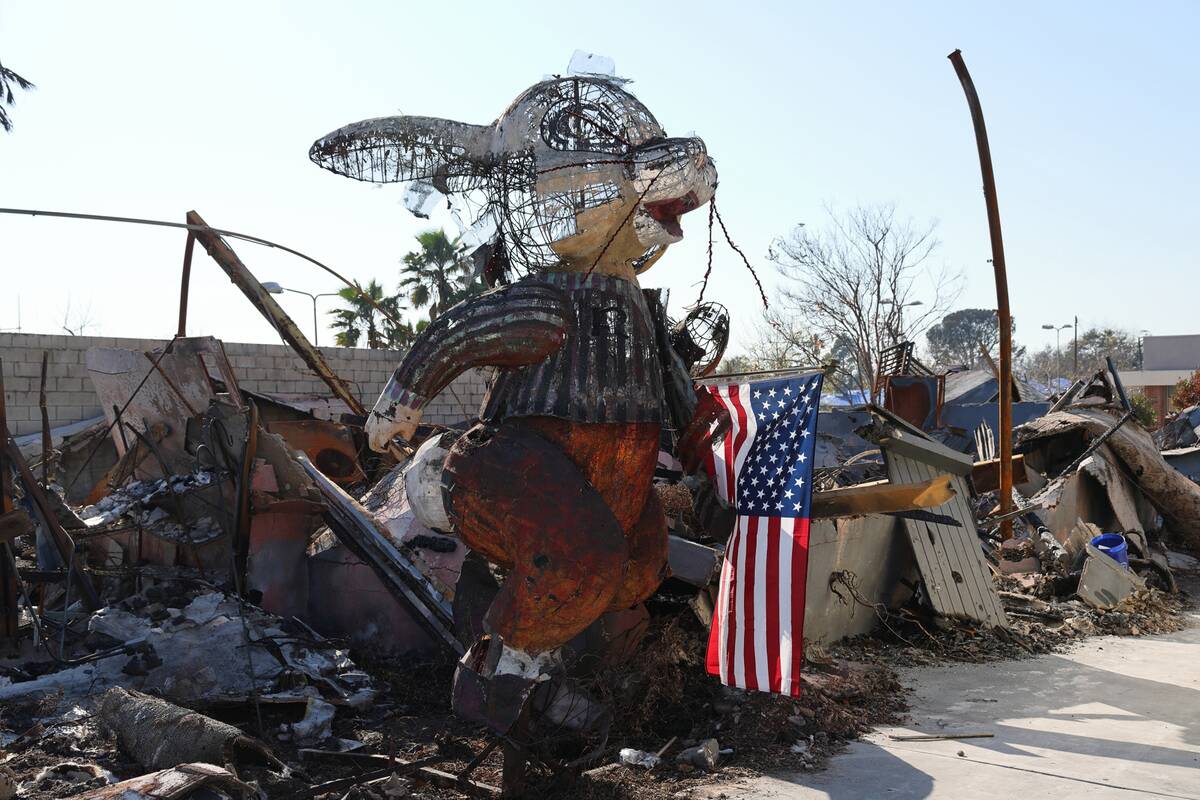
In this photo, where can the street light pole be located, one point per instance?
(896, 334)
(1058, 329)
(275, 288)
(1075, 371)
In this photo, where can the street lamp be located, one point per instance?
(899, 314)
(1058, 329)
(275, 288)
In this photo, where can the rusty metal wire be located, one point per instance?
(738, 250)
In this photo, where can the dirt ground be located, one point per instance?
(661, 698)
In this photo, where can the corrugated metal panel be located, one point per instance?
(950, 560)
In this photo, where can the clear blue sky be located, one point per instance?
(151, 109)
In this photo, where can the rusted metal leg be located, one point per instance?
(647, 545)
(521, 502)
(516, 757)
(618, 461)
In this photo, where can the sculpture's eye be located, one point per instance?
(573, 126)
(595, 117)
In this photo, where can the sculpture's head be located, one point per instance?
(575, 167)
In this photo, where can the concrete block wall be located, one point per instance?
(268, 368)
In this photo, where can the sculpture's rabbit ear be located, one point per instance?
(454, 156)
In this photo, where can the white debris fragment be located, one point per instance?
(421, 198)
(638, 758)
(316, 726)
(584, 63)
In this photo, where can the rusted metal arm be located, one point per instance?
(511, 327)
(1004, 317)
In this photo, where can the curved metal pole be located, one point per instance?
(1002, 312)
(193, 228)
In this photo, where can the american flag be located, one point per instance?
(763, 467)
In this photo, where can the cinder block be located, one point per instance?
(67, 413)
(84, 399)
(68, 384)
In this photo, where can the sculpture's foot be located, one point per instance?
(494, 682)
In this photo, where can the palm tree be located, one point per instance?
(437, 275)
(362, 317)
(7, 79)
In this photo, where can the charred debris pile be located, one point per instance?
(245, 604)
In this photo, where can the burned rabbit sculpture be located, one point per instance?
(578, 190)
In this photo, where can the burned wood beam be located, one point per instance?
(9, 616)
(185, 282)
(985, 475)
(46, 438)
(881, 498)
(261, 299)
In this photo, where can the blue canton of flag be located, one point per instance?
(774, 480)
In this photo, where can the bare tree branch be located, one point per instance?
(847, 290)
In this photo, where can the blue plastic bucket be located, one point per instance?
(1113, 545)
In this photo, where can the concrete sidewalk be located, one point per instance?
(1118, 717)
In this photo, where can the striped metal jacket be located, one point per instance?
(578, 347)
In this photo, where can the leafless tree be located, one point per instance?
(854, 288)
(77, 324)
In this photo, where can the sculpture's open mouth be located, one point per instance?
(667, 212)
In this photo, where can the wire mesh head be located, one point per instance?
(572, 161)
(701, 337)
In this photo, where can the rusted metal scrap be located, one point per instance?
(42, 506)
(359, 530)
(329, 445)
(1003, 314)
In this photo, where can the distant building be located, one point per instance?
(1166, 360)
